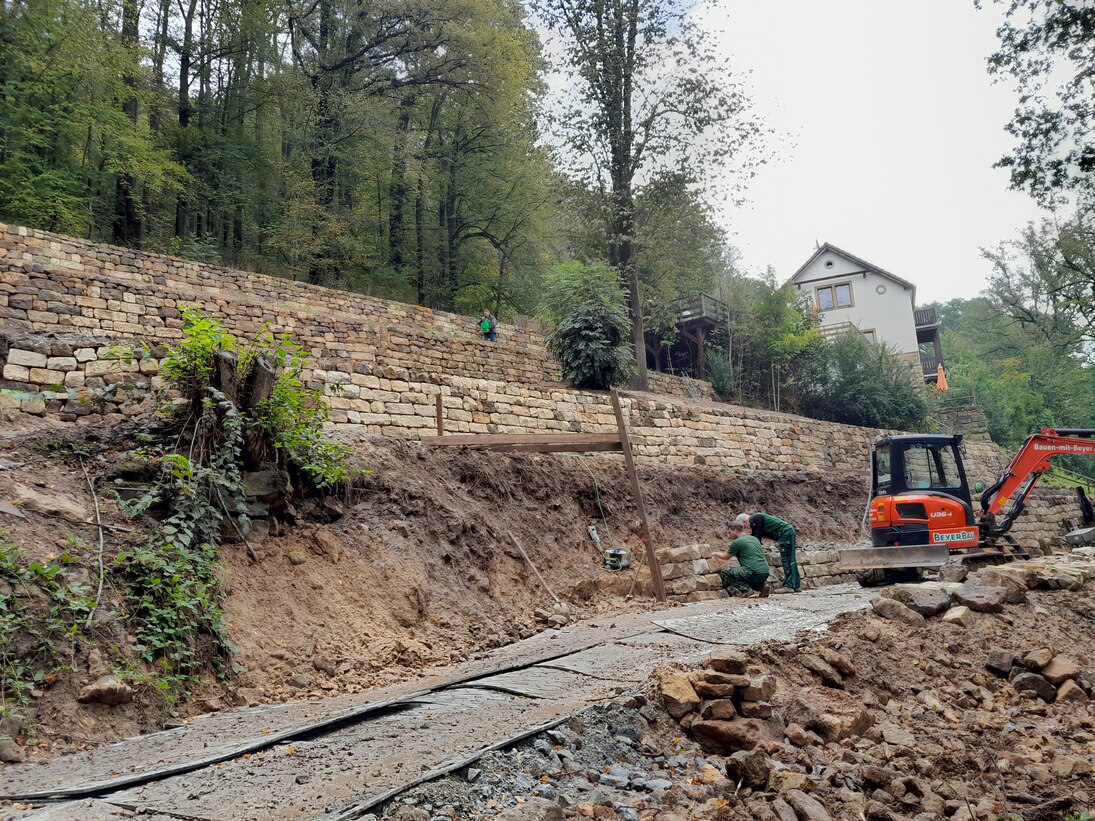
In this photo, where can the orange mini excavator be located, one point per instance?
(921, 512)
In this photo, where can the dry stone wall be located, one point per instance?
(83, 327)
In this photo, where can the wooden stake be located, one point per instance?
(513, 539)
(440, 417)
(651, 558)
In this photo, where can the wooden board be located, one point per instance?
(527, 441)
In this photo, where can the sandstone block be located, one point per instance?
(16, 373)
(28, 359)
(1060, 670)
(896, 611)
(678, 695)
(61, 363)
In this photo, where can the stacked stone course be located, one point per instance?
(691, 574)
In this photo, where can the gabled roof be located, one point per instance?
(829, 247)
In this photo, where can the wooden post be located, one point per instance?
(651, 558)
(700, 354)
(440, 417)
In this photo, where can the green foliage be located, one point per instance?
(293, 417)
(407, 165)
(720, 372)
(65, 140)
(587, 310)
(1045, 280)
(171, 579)
(189, 364)
(646, 93)
(771, 335)
(1025, 376)
(42, 610)
(855, 382)
(1048, 49)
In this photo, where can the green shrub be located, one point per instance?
(855, 382)
(590, 336)
(720, 372)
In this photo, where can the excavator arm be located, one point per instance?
(1005, 499)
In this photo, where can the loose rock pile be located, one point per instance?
(1043, 674)
(878, 719)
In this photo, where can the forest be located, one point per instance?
(464, 154)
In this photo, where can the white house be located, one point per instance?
(849, 292)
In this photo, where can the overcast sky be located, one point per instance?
(890, 128)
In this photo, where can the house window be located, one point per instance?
(870, 337)
(834, 296)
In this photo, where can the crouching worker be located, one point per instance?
(752, 571)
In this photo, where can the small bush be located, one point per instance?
(720, 372)
(42, 610)
(587, 309)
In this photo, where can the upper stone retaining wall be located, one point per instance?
(50, 282)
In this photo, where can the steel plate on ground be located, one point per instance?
(86, 810)
(760, 622)
(532, 682)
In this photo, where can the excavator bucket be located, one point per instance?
(892, 558)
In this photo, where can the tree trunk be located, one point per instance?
(127, 228)
(397, 188)
(420, 201)
(186, 52)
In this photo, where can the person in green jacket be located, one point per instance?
(763, 526)
(751, 574)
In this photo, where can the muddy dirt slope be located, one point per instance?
(411, 568)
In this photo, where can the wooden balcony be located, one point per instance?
(715, 311)
(925, 318)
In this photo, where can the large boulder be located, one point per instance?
(807, 808)
(1071, 691)
(752, 767)
(954, 570)
(725, 660)
(725, 737)
(107, 689)
(927, 600)
(895, 611)
(1000, 661)
(1061, 669)
(832, 714)
(960, 615)
(1034, 685)
(1037, 659)
(980, 598)
(534, 809)
(1013, 583)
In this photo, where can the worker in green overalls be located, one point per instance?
(752, 571)
(763, 526)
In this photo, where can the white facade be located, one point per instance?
(846, 289)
